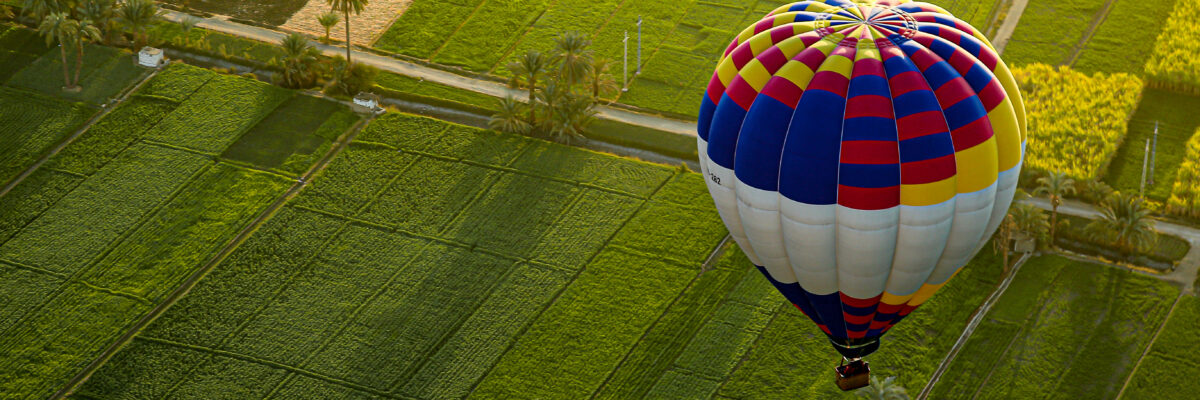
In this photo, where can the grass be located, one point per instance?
(404, 87)
(33, 124)
(1177, 123)
(458, 258)
(1167, 249)
(1163, 373)
(1066, 328)
(106, 72)
(1113, 37)
(1071, 110)
(1032, 43)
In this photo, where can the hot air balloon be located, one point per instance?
(860, 153)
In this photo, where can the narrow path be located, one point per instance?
(195, 277)
(1184, 274)
(975, 321)
(86, 126)
(1091, 31)
(1010, 24)
(434, 75)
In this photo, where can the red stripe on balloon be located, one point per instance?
(928, 171)
(972, 134)
(921, 124)
(715, 89)
(907, 81)
(829, 81)
(953, 91)
(869, 106)
(875, 152)
(741, 93)
(741, 56)
(859, 303)
(992, 95)
(785, 91)
(868, 198)
(772, 59)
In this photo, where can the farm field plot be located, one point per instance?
(515, 247)
(1164, 372)
(1119, 47)
(33, 124)
(1065, 328)
(1034, 42)
(18, 47)
(1175, 63)
(1177, 123)
(106, 73)
(366, 27)
(154, 214)
(1071, 110)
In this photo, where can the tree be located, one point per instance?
(101, 13)
(328, 20)
(602, 81)
(39, 9)
(136, 16)
(300, 61)
(526, 72)
(1054, 186)
(886, 389)
(574, 57)
(1124, 222)
(188, 23)
(509, 118)
(346, 7)
(58, 27)
(87, 31)
(569, 119)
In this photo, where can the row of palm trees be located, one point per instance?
(563, 88)
(71, 24)
(1124, 221)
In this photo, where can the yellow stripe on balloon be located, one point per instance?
(1007, 134)
(755, 74)
(895, 300)
(726, 71)
(838, 64)
(926, 291)
(928, 194)
(976, 166)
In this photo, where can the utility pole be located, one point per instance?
(1145, 160)
(639, 62)
(1153, 153)
(625, 64)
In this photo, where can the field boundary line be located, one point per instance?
(517, 43)
(1150, 345)
(274, 364)
(446, 42)
(553, 300)
(83, 129)
(203, 271)
(1087, 36)
(746, 355)
(970, 328)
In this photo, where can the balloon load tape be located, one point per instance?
(854, 348)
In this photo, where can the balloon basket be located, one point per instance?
(852, 376)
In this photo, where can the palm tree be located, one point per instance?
(526, 71)
(87, 31)
(508, 119)
(328, 20)
(345, 7)
(188, 23)
(886, 389)
(300, 61)
(570, 118)
(39, 9)
(136, 16)
(61, 28)
(602, 80)
(574, 56)
(1054, 186)
(1124, 222)
(101, 13)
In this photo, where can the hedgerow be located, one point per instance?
(1068, 109)
(33, 124)
(1175, 63)
(218, 113)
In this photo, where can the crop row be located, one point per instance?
(1185, 194)
(1175, 63)
(33, 123)
(1067, 328)
(1171, 115)
(1071, 110)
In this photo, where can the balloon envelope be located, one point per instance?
(861, 154)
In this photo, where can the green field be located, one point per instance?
(153, 209)
(1126, 38)
(1064, 329)
(1050, 30)
(1177, 120)
(1165, 373)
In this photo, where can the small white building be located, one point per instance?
(151, 57)
(367, 103)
